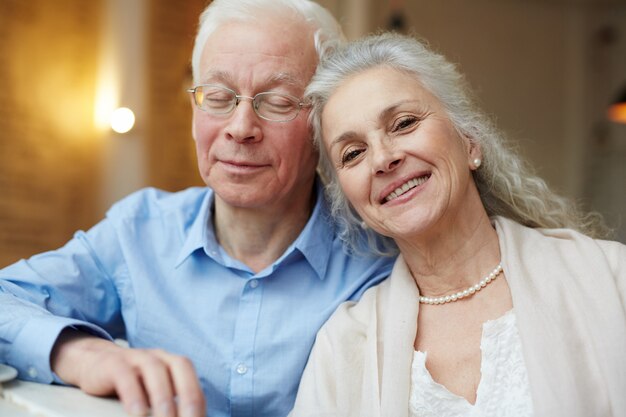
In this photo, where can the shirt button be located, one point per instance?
(242, 369)
(254, 283)
(32, 372)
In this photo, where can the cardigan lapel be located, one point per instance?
(397, 310)
(565, 305)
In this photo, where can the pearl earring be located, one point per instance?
(477, 162)
(363, 225)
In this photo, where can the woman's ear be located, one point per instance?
(475, 154)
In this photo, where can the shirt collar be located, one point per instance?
(197, 233)
(315, 242)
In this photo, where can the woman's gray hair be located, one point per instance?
(327, 31)
(506, 184)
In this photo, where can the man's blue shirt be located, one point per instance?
(152, 272)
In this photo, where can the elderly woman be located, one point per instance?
(502, 301)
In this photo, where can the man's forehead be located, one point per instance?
(274, 45)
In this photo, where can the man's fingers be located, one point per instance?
(142, 379)
(191, 401)
(129, 388)
(157, 379)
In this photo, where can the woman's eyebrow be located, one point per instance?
(382, 115)
(343, 137)
(392, 108)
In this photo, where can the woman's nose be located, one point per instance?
(385, 159)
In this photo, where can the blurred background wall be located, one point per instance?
(545, 69)
(50, 170)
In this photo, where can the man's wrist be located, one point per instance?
(69, 352)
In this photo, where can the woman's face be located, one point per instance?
(401, 163)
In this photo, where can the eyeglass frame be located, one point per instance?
(299, 103)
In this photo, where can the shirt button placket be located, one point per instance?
(243, 349)
(242, 369)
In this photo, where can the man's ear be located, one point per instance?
(193, 132)
(193, 117)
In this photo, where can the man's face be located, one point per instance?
(250, 162)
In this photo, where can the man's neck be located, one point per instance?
(258, 237)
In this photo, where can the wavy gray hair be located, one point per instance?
(507, 185)
(327, 31)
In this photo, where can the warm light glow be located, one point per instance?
(107, 83)
(617, 113)
(107, 91)
(122, 120)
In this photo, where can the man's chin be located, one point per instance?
(244, 197)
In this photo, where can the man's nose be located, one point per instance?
(243, 123)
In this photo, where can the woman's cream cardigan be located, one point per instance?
(569, 296)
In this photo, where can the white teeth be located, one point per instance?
(406, 187)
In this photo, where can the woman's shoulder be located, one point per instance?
(580, 252)
(554, 237)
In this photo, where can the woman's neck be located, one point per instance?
(448, 262)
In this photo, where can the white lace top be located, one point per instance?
(503, 390)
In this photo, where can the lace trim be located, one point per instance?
(503, 390)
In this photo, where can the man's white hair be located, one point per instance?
(325, 28)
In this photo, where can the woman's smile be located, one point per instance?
(405, 188)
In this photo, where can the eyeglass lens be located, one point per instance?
(268, 105)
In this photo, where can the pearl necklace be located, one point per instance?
(465, 293)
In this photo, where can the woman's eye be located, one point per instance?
(350, 155)
(404, 122)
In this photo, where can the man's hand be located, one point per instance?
(142, 379)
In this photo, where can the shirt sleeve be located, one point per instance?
(73, 286)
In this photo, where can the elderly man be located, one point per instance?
(218, 290)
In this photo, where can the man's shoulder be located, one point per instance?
(153, 202)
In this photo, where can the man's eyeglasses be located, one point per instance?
(275, 107)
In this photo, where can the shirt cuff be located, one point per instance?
(31, 349)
